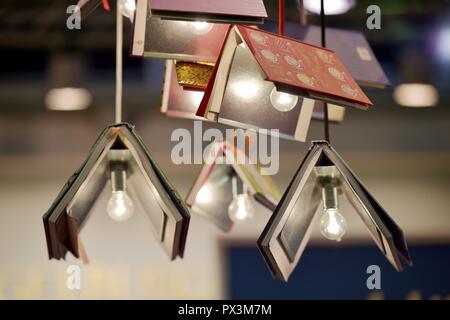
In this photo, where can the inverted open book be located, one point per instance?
(264, 81)
(287, 232)
(223, 164)
(189, 30)
(147, 185)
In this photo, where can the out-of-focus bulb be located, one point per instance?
(282, 101)
(241, 208)
(120, 207)
(332, 224)
(204, 195)
(331, 7)
(127, 8)
(201, 27)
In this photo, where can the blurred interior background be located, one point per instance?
(401, 153)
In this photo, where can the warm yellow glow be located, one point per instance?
(68, 99)
(416, 95)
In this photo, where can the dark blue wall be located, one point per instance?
(339, 273)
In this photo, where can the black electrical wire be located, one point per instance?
(324, 45)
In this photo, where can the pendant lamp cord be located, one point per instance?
(324, 45)
(119, 80)
(281, 17)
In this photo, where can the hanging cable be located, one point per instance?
(324, 45)
(119, 80)
(281, 17)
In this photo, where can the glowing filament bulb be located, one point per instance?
(120, 207)
(282, 101)
(332, 224)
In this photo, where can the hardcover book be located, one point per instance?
(288, 231)
(183, 90)
(190, 30)
(146, 184)
(215, 179)
(350, 46)
(265, 81)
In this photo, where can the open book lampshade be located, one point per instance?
(264, 81)
(321, 177)
(119, 156)
(189, 30)
(227, 177)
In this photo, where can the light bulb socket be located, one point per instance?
(118, 176)
(330, 196)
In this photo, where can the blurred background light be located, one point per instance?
(332, 7)
(416, 95)
(443, 44)
(68, 99)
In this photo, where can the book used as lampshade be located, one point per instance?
(287, 233)
(263, 80)
(190, 30)
(152, 194)
(181, 97)
(351, 47)
(211, 192)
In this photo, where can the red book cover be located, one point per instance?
(250, 8)
(204, 103)
(300, 66)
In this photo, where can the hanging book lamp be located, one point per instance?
(118, 160)
(318, 182)
(315, 188)
(189, 30)
(266, 81)
(227, 186)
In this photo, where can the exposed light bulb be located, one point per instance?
(204, 195)
(331, 7)
(332, 224)
(283, 101)
(201, 27)
(120, 207)
(241, 208)
(127, 8)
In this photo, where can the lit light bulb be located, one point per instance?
(204, 195)
(120, 207)
(127, 8)
(201, 27)
(241, 208)
(332, 224)
(331, 7)
(282, 101)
